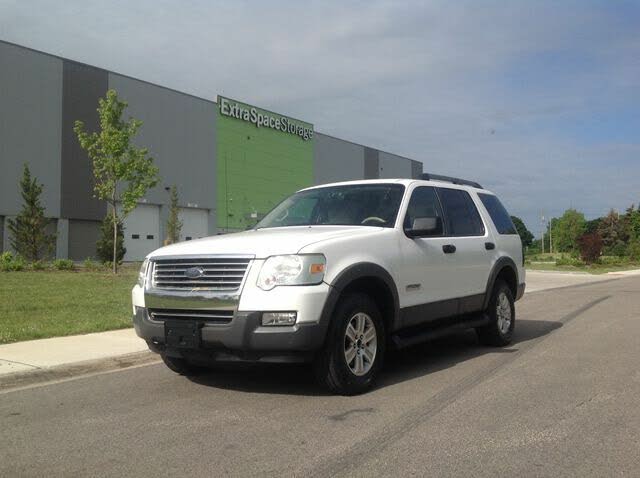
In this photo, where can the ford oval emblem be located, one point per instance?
(194, 272)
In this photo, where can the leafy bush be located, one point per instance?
(63, 264)
(9, 262)
(569, 261)
(39, 265)
(91, 265)
(619, 249)
(105, 243)
(590, 245)
(633, 250)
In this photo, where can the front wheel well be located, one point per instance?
(378, 290)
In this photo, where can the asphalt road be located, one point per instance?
(563, 400)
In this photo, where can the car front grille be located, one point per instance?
(212, 273)
(209, 316)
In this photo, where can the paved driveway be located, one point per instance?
(563, 400)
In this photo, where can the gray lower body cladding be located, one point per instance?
(242, 339)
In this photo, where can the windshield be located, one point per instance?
(350, 205)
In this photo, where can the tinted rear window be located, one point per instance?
(498, 213)
(461, 216)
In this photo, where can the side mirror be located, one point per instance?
(425, 226)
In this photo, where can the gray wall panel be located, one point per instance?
(393, 166)
(30, 124)
(336, 160)
(83, 236)
(82, 87)
(416, 169)
(371, 163)
(180, 133)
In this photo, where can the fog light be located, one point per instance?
(279, 318)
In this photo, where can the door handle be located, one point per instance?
(448, 248)
(489, 246)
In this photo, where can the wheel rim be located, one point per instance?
(503, 311)
(360, 344)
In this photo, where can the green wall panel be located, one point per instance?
(257, 167)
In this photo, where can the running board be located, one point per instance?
(416, 335)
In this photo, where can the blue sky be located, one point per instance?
(537, 100)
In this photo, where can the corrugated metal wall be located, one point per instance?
(30, 125)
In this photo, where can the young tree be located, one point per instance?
(593, 225)
(613, 233)
(28, 230)
(122, 173)
(174, 224)
(632, 223)
(525, 235)
(567, 229)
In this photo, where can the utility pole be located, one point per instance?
(550, 237)
(543, 227)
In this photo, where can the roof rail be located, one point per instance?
(450, 179)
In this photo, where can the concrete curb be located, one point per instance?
(28, 379)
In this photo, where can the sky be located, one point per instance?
(538, 101)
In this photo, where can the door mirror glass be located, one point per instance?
(425, 226)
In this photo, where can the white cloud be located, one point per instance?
(465, 87)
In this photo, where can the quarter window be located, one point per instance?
(461, 215)
(498, 213)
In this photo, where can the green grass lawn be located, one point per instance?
(592, 269)
(39, 304)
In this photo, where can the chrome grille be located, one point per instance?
(211, 273)
(209, 316)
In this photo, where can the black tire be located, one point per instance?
(181, 365)
(496, 333)
(331, 367)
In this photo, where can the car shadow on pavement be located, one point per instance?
(449, 351)
(400, 366)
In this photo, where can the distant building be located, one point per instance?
(230, 161)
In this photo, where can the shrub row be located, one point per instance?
(10, 262)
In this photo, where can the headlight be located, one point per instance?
(306, 269)
(143, 273)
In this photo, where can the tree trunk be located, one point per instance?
(115, 239)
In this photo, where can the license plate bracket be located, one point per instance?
(182, 334)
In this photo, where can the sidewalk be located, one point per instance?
(60, 351)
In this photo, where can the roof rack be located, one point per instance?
(450, 179)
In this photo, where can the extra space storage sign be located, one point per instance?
(264, 119)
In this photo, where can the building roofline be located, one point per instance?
(58, 57)
(173, 90)
(370, 147)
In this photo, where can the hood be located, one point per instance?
(263, 243)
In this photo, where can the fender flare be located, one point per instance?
(499, 265)
(352, 273)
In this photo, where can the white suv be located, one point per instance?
(336, 275)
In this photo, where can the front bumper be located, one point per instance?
(243, 339)
(520, 292)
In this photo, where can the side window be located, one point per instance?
(498, 213)
(461, 215)
(424, 203)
